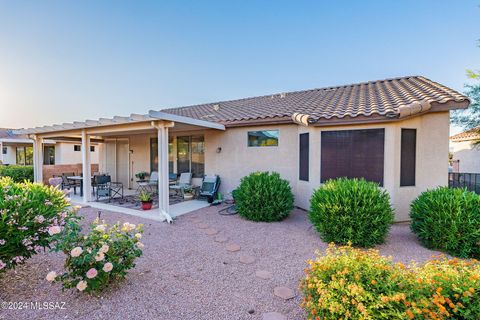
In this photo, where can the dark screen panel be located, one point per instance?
(304, 155)
(353, 154)
(407, 158)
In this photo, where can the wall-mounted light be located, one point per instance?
(219, 149)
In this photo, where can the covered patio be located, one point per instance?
(128, 144)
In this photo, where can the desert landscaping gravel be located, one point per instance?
(185, 274)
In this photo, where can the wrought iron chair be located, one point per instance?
(107, 188)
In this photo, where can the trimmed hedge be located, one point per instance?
(349, 283)
(264, 196)
(17, 173)
(448, 220)
(351, 211)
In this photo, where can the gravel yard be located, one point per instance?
(186, 271)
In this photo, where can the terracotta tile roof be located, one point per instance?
(376, 100)
(472, 134)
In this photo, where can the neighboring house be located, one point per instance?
(18, 150)
(394, 132)
(465, 149)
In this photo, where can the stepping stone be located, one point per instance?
(273, 316)
(211, 231)
(221, 239)
(232, 247)
(202, 226)
(247, 259)
(284, 292)
(264, 274)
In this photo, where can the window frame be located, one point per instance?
(302, 175)
(77, 146)
(45, 153)
(349, 151)
(402, 179)
(260, 146)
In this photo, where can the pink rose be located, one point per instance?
(54, 230)
(107, 267)
(92, 273)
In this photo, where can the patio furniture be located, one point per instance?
(184, 181)
(107, 188)
(172, 178)
(79, 182)
(68, 183)
(209, 189)
(151, 185)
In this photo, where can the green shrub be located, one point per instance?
(17, 173)
(349, 283)
(351, 211)
(29, 214)
(264, 196)
(99, 258)
(448, 220)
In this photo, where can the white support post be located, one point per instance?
(163, 205)
(86, 167)
(38, 159)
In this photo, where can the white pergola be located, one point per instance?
(158, 120)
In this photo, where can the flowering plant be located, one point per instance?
(29, 214)
(349, 283)
(96, 259)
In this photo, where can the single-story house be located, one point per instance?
(17, 149)
(465, 150)
(394, 132)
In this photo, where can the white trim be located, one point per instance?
(13, 140)
(187, 120)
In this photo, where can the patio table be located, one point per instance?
(78, 178)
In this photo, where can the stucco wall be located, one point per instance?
(64, 154)
(11, 156)
(237, 159)
(468, 155)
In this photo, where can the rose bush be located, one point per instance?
(349, 283)
(29, 214)
(98, 258)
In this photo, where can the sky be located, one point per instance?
(64, 61)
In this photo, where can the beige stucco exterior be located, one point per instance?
(236, 159)
(467, 153)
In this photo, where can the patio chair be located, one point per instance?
(172, 178)
(184, 181)
(209, 189)
(151, 184)
(107, 188)
(67, 184)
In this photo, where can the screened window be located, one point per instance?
(24, 156)
(265, 138)
(353, 154)
(77, 147)
(304, 154)
(4, 150)
(407, 158)
(48, 155)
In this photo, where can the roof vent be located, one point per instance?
(216, 107)
(283, 95)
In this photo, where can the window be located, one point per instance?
(49, 155)
(24, 156)
(353, 154)
(154, 154)
(407, 157)
(4, 150)
(265, 138)
(304, 154)
(190, 155)
(92, 148)
(77, 147)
